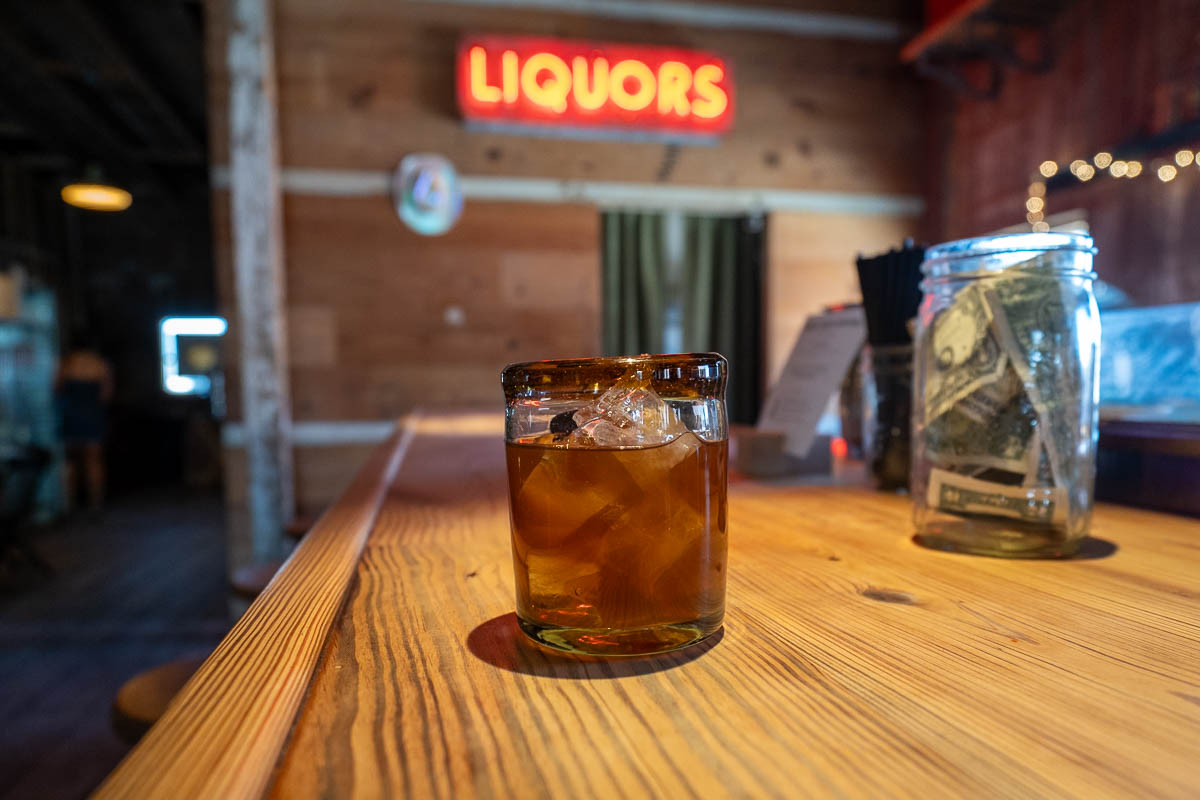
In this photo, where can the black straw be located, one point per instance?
(891, 293)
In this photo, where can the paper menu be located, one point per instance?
(812, 373)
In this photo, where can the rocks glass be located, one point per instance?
(617, 485)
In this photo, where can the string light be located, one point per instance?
(1035, 201)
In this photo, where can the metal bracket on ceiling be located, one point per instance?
(992, 40)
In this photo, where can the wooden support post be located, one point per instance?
(258, 269)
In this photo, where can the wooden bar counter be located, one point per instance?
(384, 661)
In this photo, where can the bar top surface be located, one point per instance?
(853, 662)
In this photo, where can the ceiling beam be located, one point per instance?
(40, 102)
(73, 30)
(164, 39)
(116, 58)
(60, 122)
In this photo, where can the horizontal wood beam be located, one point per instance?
(320, 433)
(326, 433)
(713, 15)
(604, 194)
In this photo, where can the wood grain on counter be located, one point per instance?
(221, 736)
(853, 662)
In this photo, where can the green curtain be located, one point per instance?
(634, 284)
(723, 303)
(719, 292)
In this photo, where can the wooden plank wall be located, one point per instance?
(374, 330)
(811, 265)
(364, 81)
(384, 320)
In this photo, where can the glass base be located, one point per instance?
(1009, 539)
(632, 642)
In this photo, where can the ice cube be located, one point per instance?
(602, 433)
(553, 575)
(657, 466)
(560, 495)
(652, 565)
(628, 414)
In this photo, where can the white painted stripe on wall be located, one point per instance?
(335, 182)
(706, 15)
(608, 194)
(604, 194)
(320, 434)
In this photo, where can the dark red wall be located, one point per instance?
(1124, 71)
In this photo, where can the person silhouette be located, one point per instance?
(85, 388)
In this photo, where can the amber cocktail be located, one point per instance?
(617, 483)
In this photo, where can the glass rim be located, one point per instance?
(645, 359)
(683, 374)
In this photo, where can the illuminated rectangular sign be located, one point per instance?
(540, 84)
(170, 330)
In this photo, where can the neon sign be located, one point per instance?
(531, 84)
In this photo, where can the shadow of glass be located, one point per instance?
(1093, 547)
(1090, 548)
(499, 642)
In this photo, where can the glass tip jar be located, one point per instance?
(1005, 395)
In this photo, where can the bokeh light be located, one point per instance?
(1086, 172)
(1184, 158)
(1118, 169)
(96, 196)
(1167, 172)
(1133, 169)
(1035, 204)
(1048, 169)
(1037, 189)
(1102, 159)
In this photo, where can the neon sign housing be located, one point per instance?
(540, 85)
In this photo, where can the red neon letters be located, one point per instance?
(538, 82)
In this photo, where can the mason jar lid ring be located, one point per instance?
(989, 255)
